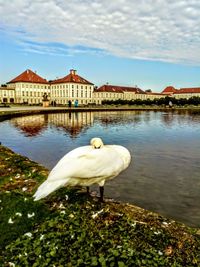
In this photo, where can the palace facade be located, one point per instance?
(30, 88)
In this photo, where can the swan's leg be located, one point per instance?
(101, 188)
(88, 190)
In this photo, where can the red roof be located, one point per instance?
(169, 90)
(188, 90)
(119, 89)
(30, 77)
(72, 77)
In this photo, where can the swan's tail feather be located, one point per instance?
(47, 188)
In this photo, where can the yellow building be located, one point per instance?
(72, 88)
(7, 94)
(29, 87)
(182, 92)
(113, 92)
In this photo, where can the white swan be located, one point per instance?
(86, 165)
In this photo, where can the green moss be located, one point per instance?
(15, 209)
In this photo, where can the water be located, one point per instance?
(164, 175)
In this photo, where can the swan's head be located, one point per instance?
(96, 142)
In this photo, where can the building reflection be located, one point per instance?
(73, 122)
(31, 125)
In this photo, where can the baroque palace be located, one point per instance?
(29, 88)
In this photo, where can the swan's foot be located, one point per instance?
(101, 189)
(88, 190)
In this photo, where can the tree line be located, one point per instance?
(195, 100)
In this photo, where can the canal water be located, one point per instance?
(164, 174)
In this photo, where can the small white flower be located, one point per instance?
(66, 197)
(71, 215)
(25, 199)
(10, 221)
(30, 215)
(40, 256)
(24, 189)
(61, 206)
(25, 254)
(18, 214)
(0, 200)
(11, 264)
(165, 223)
(11, 179)
(133, 224)
(160, 253)
(28, 234)
(62, 212)
(17, 175)
(157, 233)
(41, 237)
(96, 214)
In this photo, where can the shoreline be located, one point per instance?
(19, 179)
(125, 235)
(18, 111)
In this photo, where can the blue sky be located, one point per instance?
(148, 43)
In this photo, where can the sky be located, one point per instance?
(148, 43)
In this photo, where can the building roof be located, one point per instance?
(30, 77)
(72, 77)
(188, 90)
(169, 90)
(119, 89)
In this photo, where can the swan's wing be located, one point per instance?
(88, 163)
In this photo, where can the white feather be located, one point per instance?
(86, 166)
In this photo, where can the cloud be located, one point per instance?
(148, 29)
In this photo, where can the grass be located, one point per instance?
(68, 228)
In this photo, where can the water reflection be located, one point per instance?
(72, 123)
(77, 122)
(165, 147)
(31, 125)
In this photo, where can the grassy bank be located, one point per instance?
(69, 228)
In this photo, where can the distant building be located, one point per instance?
(169, 90)
(114, 92)
(152, 96)
(182, 92)
(7, 94)
(29, 87)
(72, 88)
